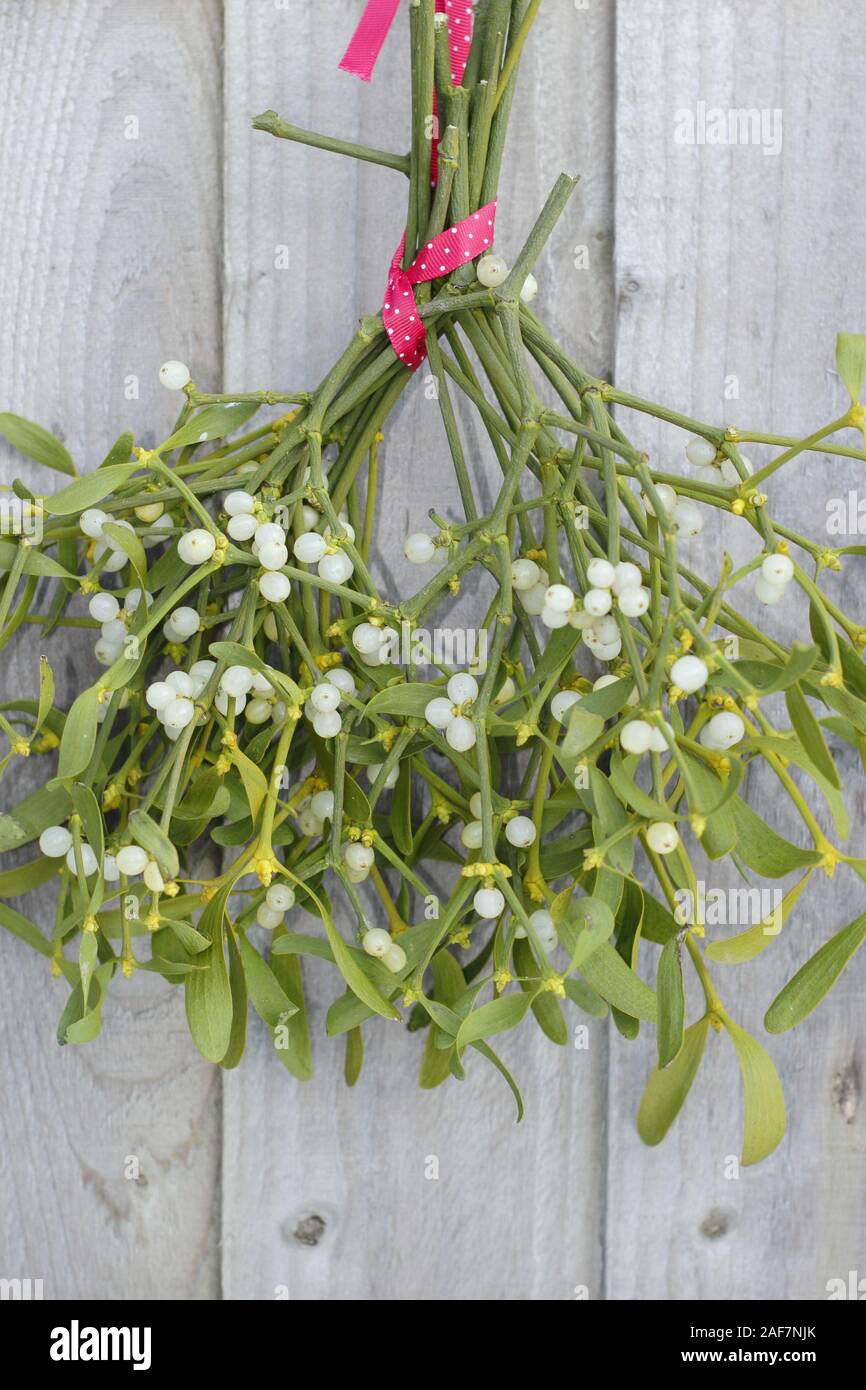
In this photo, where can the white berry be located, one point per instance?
(488, 902)
(336, 568)
(725, 729)
(376, 942)
(562, 703)
(419, 548)
(626, 576)
(662, 837)
(689, 673)
(688, 518)
(274, 587)
(196, 547)
(91, 521)
(491, 270)
(461, 688)
(776, 569)
(636, 736)
(309, 548)
(131, 859)
(174, 375)
(600, 574)
(524, 574)
(634, 602)
(88, 859)
(472, 834)
(700, 452)
(460, 734)
(55, 841)
(280, 897)
(520, 832)
(529, 290)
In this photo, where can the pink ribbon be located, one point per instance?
(450, 249)
(372, 31)
(472, 236)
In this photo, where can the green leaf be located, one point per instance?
(87, 491)
(497, 1016)
(254, 780)
(88, 949)
(400, 817)
(768, 677)
(153, 838)
(79, 734)
(267, 995)
(546, 1009)
(610, 700)
(764, 1120)
(207, 992)
(588, 924)
(409, 698)
(630, 794)
(671, 1002)
(762, 849)
(582, 728)
(354, 1056)
(233, 1054)
(36, 443)
(496, 1061)
(659, 923)
(14, 883)
(360, 985)
(212, 422)
(609, 976)
(120, 450)
(46, 693)
(851, 362)
(449, 985)
(129, 543)
(813, 980)
(811, 737)
(748, 944)
(666, 1091)
(191, 940)
(87, 807)
(24, 929)
(292, 1039)
(81, 1026)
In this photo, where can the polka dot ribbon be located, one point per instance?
(372, 31)
(457, 245)
(452, 248)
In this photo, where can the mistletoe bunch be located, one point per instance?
(485, 837)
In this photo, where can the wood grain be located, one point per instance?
(110, 264)
(732, 262)
(515, 1212)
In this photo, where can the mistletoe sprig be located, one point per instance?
(262, 695)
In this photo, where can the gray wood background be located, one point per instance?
(140, 218)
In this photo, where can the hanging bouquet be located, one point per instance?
(496, 833)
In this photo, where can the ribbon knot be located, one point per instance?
(452, 248)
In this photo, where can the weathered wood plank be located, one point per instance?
(515, 1213)
(110, 217)
(734, 270)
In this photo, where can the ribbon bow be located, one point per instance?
(372, 31)
(444, 253)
